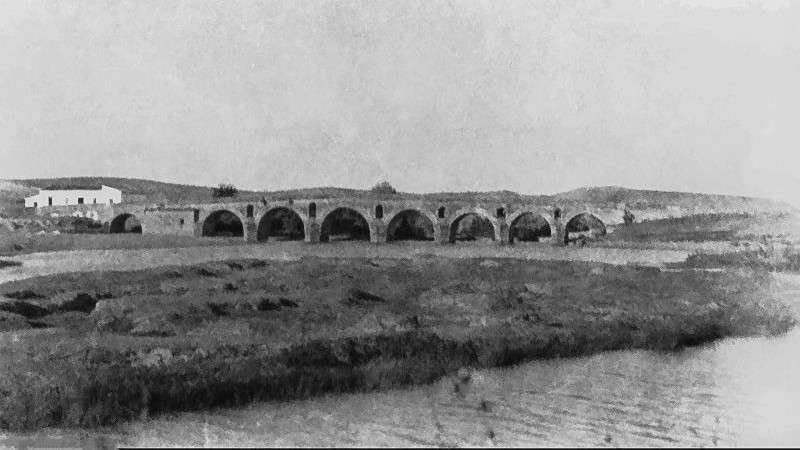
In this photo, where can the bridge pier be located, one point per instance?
(504, 231)
(444, 231)
(559, 232)
(250, 230)
(378, 233)
(313, 232)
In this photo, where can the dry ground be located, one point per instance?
(47, 263)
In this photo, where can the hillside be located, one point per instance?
(335, 192)
(645, 199)
(149, 192)
(139, 190)
(710, 227)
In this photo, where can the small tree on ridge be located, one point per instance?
(384, 188)
(224, 190)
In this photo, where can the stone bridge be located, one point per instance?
(316, 217)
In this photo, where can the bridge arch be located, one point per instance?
(529, 225)
(459, 215)
(125, 223)
(223, 222)
(283, 222)
(346, 222)
(583, 224)
(412, 224)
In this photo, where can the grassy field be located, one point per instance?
(98, 347)
(764, 258)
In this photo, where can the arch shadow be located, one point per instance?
(345, 223)
(583, 225)
(412, 225)
(528, 226)
(458, 216)
(223, 223)
(125, 223)
(281, 223)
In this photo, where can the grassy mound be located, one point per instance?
(182, 338)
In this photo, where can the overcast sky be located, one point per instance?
(432, 95)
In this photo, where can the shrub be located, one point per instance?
(628, 218)
(224, 190)
(384, 188)
(288, 303)
(267, 305)
(82, 302)
(26, 309)
(25, 294)
(219, 309)
(6, 263)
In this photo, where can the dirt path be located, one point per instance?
(35, 264)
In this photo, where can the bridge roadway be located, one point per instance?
(443, 216)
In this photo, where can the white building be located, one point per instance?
(75, 195)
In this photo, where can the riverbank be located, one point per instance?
(96, 348)
(50, 263)
(16, 243)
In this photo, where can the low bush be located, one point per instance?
(82, 302)
(25, 309)
(357, 296)
(219, 309)
(205, 272)
(266, 304)
(288, 303)
(25, 294)
(8, 263)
